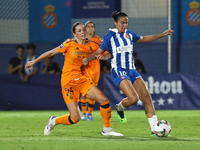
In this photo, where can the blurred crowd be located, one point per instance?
(16, 64)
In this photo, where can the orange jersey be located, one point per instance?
(73, 69)
(96, 39)
(94, 66)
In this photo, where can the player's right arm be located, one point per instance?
(42, 57)
(103, 47)
(92, 56)
(104, 56)
(60, 49)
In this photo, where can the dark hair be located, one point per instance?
(75, 25)
(135, 54)
(19, 46)
(116, 15)
(89, 22)
(93, 24)
(31, 46)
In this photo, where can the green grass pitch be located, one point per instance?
(24, 130)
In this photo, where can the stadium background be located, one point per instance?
(26, 21)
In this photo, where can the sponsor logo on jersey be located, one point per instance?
(62, 45)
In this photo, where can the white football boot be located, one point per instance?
(50, 126)
(110, 132)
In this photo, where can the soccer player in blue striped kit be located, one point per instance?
(119, 43)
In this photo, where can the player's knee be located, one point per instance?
(146, 98)
(76, 117)
(103, 99)
(133, 100)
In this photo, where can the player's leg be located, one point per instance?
(131, 99)
(90, 109)
(70, 97)
(70, 119)
(145, 97)
(73, 117)
(105, 110)
(83, 107)
(121, 79)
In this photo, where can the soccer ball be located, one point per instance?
(162, 128)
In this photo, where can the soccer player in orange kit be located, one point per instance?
(75, 80)
(94, 72)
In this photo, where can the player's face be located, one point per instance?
(90, 28)
(80, 32)
(121, 24)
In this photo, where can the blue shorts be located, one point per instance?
(119, 74)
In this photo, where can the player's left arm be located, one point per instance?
(150, 38)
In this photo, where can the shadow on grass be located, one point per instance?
(127, 138)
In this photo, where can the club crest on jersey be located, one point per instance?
(123, 77)
(62, 45)
(127, 36)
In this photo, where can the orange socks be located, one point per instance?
(105, 111)
(90, 106)
(84, 105)
(65, 120)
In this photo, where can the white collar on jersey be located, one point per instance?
(115, 30)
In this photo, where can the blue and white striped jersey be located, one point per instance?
(120, 46)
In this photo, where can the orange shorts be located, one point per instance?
(95, 78)
(71, 91)
(93, 71)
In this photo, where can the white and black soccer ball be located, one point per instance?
(162, 128)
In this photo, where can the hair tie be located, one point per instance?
(118, 13)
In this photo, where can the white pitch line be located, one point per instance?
(88, 138)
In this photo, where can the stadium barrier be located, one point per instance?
(43, 92)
